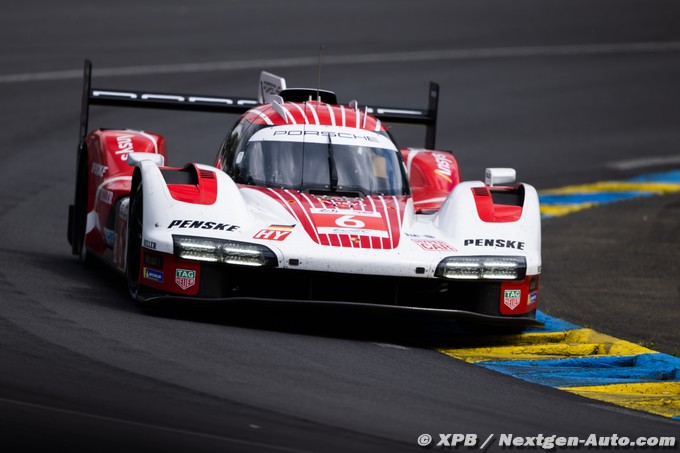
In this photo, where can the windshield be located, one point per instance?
(366, 167)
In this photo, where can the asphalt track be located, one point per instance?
(568, 92)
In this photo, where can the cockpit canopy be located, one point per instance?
(321, 159)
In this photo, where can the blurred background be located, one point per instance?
(565, 91)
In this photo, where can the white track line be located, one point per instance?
(644, 162)
(149, 426)
(396, 57)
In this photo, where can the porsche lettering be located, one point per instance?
(498, 243)
(298, 132)
(196, 224)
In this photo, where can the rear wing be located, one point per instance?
(235, 105)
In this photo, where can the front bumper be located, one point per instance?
(467, 317)
(474, 301)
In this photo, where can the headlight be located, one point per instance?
(223, 251)
(482, 267)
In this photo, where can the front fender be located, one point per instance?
(459, 220)
(164, 215)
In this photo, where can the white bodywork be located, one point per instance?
(456, 230)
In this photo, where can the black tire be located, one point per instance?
(134, 240)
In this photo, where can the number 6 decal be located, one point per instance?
(348, 221)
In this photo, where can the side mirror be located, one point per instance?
(496, 176)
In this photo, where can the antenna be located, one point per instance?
(318, 79)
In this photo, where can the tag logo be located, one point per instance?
(185, 278)
(511, 298)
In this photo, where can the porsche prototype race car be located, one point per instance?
(308, 200)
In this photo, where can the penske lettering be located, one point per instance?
(203, 225)
(498, 243)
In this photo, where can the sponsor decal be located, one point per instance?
(106, 196)
(185, 278)
(341, 203)
(203, 225)
(443, 166)
(533, 297)
(433, 245)
(498, 243)
(153, 274)
(511, 298)
(125, 146)
(149, 244)
(99, 169)
(275, 232)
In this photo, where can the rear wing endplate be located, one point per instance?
(235, 105)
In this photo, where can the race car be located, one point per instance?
(308, 200)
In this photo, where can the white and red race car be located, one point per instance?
(308, 200)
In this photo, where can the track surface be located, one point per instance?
(83, 368)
